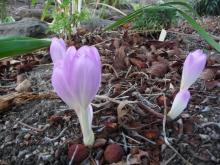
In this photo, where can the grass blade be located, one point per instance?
(184, 4)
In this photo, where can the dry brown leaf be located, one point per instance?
(158, 69)
(152, 133)
(116, 43)
(119, 61)
(212, 84)
(55, 118)
(208, 74)
(120, 111)
(137, 62)
(161, 100)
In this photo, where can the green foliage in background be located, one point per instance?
(156, 18)
(65, 16)
(4, 18)
(3, 11)
(136, 15)
(64, 22)
(207, 7)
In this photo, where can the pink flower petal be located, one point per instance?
(57, 50)
(179, 104)
(81, 74)
(192, 68)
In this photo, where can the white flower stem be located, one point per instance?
(88, 135)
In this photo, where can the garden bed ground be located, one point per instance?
(140, 76)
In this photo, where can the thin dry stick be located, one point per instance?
(110, 66)
(165, 137)
(142, 137)
(210, 123)
(55, 138)
(104, 97)
(128, 137)
(73, 156)
(147, 108)
(128, 90)
(138, 73)
(33, 128)
(129, 70)
(100, 43)
(125, 142)
(168, 161)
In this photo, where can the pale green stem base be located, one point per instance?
(88, 135)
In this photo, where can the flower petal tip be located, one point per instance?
(57, 49)
(192, 68)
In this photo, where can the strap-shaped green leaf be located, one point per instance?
(15, 45)
(127, 18)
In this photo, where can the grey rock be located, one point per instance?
(26, 12)
(96, 22)
(30, 27)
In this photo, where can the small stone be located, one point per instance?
(113, 153)
(15, 126)
(99, 142)
(22, 153)
(7, 123)
(24, 86)
(27, 136)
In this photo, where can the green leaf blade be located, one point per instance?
(14, 45)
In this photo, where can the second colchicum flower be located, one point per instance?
(76, 79)
(192, 69)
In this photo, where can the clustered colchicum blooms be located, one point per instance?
(77, 76)
(192, 69)
(76, 79)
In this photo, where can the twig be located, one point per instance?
(168, 161)
(142, 137)
(135, 73)
(155, 113)
(210, 123)
(128, 137)
(129, 70)
(110, 66)
(102, 42)
(47, 139)
(125, 142)
(146, 107)
(128, 90)
(104, 97)
(73, 156)
(33, 128)
(8, 86)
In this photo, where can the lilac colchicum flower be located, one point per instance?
(179, 104)
(76, 79)
(192, 68)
